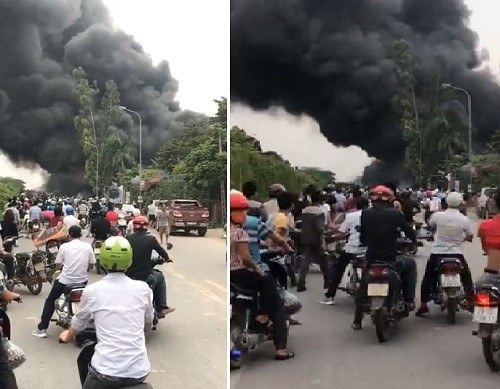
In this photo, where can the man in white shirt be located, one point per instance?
(76, 258)
(452, 230)
(152, 214)
(70, 219)
(122, 309)
(349, 228)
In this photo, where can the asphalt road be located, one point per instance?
(188, 350)
(424, 353)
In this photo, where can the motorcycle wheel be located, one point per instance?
(451, 310)
(382, 326)
(490, 355)
(36, 287)
(98, 266)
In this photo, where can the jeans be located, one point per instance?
(279, 273)
(407, 269)
(337, 272)
(7, 377)
(157, 283)
(48, 309)
(311, 253)
(263, 284)
(278, 317)
(8, 261)
(96, 380)
(431, 277)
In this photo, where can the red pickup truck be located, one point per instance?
(188, 215)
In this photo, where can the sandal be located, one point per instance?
(284, 357)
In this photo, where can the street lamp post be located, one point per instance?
(122, 108)
(419, 153)
(469, 124)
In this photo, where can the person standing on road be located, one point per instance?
(313, 225)
(152, 214)
(8, 228)
(76, 258)
(163, 223)
(7, 377)
(122, 309)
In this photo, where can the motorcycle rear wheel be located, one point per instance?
(451, 310)
(36, 287)
(491, 356)
(382, 326)
(98, 266)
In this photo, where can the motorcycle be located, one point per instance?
(384, 298)
(96, 245)
(450, 291)
(354, 275)
(83, 221)
(155, 261)
(487, 301)
(29, 270)
(121, 229)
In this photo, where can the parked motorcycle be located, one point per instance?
(450, 291)
(29, 269)
(486, 305)
(384, 298)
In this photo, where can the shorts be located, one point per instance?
(152, 218)
(164, 230)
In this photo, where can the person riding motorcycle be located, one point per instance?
(348, 229)
(247, 274)
(130, 226)
(255, 208)
(122, 309)
(271, 206)
(83, 210)
(380, 229)
(452, 229)
(141, 269)
(489, 233)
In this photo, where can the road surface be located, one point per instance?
(424, 353)
(188, 350)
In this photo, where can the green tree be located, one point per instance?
(9, 188)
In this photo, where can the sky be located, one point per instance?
(192, 35)
(280, 132)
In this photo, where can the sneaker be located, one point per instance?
(39, 333)
(327, 301)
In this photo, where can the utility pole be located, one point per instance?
(222, 187)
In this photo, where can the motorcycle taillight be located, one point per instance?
(485, 299)
(378, 271)
(450, 268)
(75, 295)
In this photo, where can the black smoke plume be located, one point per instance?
(332, 61)
(41, 42)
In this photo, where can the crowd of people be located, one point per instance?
(122, 304)
(370, 221)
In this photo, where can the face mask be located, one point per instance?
(238, 217)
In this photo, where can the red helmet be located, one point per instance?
(381, 193)
(237, 200)
(140, 223)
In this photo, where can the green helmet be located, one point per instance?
(116, 254)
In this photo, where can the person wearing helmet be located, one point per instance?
(100, 228)
(70, 219)
(121, 308)
(255, 208)
(452, 230)
(380, 229)
(245, 272)
(143, 244)
(409, 206)
(271, 206)
(75, 258)
(112, 216)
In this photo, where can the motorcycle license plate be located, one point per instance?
(359, 272)
(74, 307)
(39, 266)
(97, 251)
(53, 249)
(485, 315)
(450, 280)
(378, 290)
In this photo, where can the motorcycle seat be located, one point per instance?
(69, 288)
(238, 289)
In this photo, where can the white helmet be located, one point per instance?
(454, 199)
